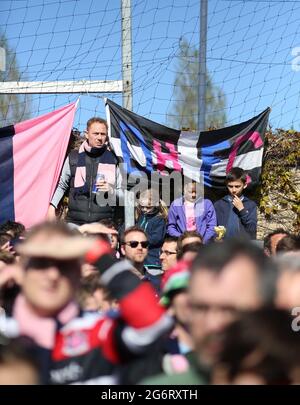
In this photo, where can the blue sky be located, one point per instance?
(249, 52)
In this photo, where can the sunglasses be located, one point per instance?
(42, 263)
(135, 243)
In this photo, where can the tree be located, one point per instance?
(184, 112)
(13, 107)
(279, 193)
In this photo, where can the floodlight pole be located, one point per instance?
(127, 94)
(202, 66)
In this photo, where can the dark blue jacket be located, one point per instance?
(155, 227)
(247, 217)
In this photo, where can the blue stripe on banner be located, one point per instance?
(7, 211)
(209, 158)
(126, 152)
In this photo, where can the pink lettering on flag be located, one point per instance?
(254, 137)
(163, 158)
(39, 148)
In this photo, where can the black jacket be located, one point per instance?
(83, 207)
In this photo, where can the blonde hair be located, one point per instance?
(152, 195)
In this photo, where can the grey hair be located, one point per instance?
(289, 261)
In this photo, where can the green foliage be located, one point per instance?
(184, 113)
(280, 175)
(13, 107)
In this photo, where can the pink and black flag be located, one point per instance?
(147, 146)
(31, 157)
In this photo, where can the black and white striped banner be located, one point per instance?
(144, 145)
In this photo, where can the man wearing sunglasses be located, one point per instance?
(134, 247)
(73, 347)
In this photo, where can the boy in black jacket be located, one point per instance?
(235, 211)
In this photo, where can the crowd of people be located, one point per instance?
(170, 300)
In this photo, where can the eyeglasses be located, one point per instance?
(167, 252)
(135, 243)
